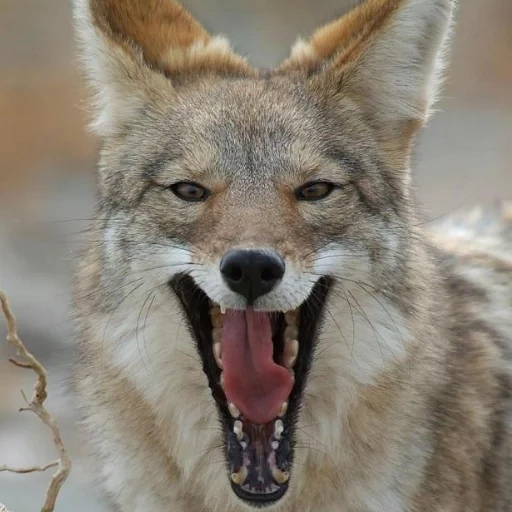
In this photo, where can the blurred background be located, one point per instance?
(47, 165)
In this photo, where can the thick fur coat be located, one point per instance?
(407, 404)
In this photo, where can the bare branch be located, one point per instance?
(36, 405)
(33, 469)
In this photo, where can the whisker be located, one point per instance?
(196, 359)
(168, 265)
(365, 316)
(145, 342)
(397, 330)
(135, 288)
(137, 329)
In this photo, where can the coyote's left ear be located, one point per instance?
(387, 55)
(135, 51)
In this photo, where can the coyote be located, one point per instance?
(264, 318)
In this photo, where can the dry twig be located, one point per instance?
(36, 405)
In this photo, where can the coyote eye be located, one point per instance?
(188, 191)
(314, 191)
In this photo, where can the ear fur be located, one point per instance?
(388, 55)
(136, 50)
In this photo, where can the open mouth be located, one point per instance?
(257, 364)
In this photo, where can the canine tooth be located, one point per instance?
(222, 380)
(281, 477)
(291, 332)
(291, 317)
(278, 429)
(216, 353)
(284, 408)
(233, 410)
(291, 350)
(240, 477)
(274, 445)
(223, 309)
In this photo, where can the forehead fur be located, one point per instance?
(252, 126)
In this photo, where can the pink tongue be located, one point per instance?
(252, 380)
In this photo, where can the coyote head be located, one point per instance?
(250, 199)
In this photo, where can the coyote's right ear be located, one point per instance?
(387, 55)
(137, 50)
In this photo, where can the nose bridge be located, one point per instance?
(257, 226)
(263, 237)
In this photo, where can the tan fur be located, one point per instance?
(408, 403)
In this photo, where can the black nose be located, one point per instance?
(252, 273)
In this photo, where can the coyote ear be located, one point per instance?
(135, 50)
(385, 54)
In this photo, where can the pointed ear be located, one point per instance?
(387, 55)
(139, 50)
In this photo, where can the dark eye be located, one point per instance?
(188, 191)
(314, 191)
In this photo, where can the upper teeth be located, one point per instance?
(291, 332)
(217, 347)
(217, 354)
(216, 316)
(291, 350)
(292, 317)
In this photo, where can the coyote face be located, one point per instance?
(270, 210)
(253, 213)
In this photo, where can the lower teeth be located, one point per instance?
(240, 477)
(278, 429)
(280, 477)
(238, 430)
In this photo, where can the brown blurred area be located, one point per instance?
(41, 108)
(47, 170)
